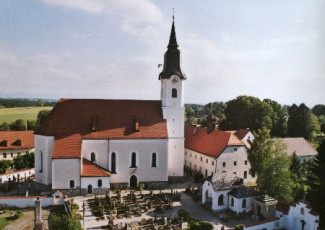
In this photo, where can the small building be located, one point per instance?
(210, 151)
(15, 143)
(302, 148)
(265, 206)
(226, 191)
(300, 216)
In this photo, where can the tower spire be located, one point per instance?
(172, 62)
(172, 39)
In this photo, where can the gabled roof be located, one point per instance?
(16, 140)
(224, 181)
(92, 170)
(211, 144)
(243, 191)
(300, 146)
(72, 120)
(241, 133)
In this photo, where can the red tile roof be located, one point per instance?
(211, 144)
(241, 133)
(72, 120)
(26, 138)
(91, 170)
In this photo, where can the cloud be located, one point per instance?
(139, 18)
(57, 76)
(307, 38)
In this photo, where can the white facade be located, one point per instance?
(232, 160)
(64, 171)
(94, 182)
(43, 159)
(219, 199)
(9, 154)
(241, 204)
(173, 111)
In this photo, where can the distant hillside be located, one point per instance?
(26, 113)
(25, 102)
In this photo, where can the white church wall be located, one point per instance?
(99, 147)
(66, 170)
(238, 204)
(93, 181)
(216, 206)
(166, 94)
(196, 160)
(43, 173)
(143, 149)
(234, 160)
(175, 157)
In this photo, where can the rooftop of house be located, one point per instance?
(73, 120)
(242, 191)
(90, 169)
(224, 181)
(299, 146)
(212, 143)
(16, 140)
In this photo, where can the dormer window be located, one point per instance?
(4, 143)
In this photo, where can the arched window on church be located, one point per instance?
(113, 163)
(232, 202)
(41, 160)
(220, 200)
(133, 160)
(92, 157)
(71, 183)
(174, 93)
(154, 160)
(244, 203)
(100, 183)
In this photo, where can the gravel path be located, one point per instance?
(22, 223)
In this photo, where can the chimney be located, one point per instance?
(195, 129)
(212, 123)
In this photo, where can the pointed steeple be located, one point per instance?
(172, 39)
(172, 60)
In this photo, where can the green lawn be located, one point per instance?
(4, 222)
(26, 113)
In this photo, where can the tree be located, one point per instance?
(279, 124)
(301, 123)
(32, 125)
(24, 161)
(190, 121)
(247, 112)
(41, 116)
(297, 174)
(40, 102)
(201, 225)
(5, 165)
(19, 124)
(318, 110)
(4, 126)
(270, 162)
(316, 182)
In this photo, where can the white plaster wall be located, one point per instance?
(207, 187)
(44, 144)
(176, 157)
(194, 158)
(14, 152)
(238, 204)
(85, 181)
(295, 216)
(65, 170)
(99, 147)
(166, 92)
(268, 226)
(23, 175)
(143, 148)
(229, 156)
(215, 197)
(25, 202)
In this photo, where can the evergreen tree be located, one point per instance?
(297, 174)
(316, 182)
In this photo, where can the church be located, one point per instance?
(88, 145)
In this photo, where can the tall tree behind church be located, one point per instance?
(301, 122)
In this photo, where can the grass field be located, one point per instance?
(26, 113)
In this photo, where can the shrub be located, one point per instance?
(201, 225)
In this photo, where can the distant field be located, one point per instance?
(26, 113)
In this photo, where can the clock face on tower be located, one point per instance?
(175, 79)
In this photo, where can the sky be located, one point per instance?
(111, 49)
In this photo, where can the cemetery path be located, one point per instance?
(23, 223)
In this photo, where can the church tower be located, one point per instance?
(172, 79)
